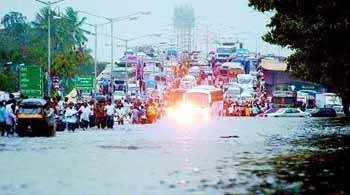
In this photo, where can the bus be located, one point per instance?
(284, 99)
(204, 101)
(120, 74)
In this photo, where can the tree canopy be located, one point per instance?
(25, 42)
(318, 33)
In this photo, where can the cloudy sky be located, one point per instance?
(226, 18)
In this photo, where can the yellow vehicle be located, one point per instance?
(34, 118)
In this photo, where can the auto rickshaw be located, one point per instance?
(34, 120)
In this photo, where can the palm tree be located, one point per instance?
(73, 27)
(66, 29)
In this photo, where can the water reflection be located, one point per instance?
(226, 156)
(318, 162)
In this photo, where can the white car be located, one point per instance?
(288, 112)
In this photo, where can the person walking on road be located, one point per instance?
(71, 117)
(135, 115)
(84, 116)
(110, 111)
(2, 118)
(92, 117)
(120, 115)
(10, 118)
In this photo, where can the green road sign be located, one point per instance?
(31, 81)
(84, 83)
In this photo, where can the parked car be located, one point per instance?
(323, 112)
(288, 112)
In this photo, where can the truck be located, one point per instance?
(225, 53)
(329, 100)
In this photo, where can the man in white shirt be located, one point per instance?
(110, 111)
(71, 117)
(84, 116)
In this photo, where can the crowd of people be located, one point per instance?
(86, 114)
(104, 114)
(7, 116)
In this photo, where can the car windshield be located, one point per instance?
(29, 109)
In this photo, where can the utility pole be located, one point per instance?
(126, 65)
(49, 3)
(207, 40)
(95, 60)
(112, 56)
(49, 51)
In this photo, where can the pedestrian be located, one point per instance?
(3, 116)
(110, 111)
(127, 111)
(135, 115)
(92, 117)
(49, 114)
(142, 115)
(71, 117)
(120, 115)
(84, 116)
(10, 118)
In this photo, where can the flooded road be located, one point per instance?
(225, 156)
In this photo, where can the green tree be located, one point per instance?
(67, 37)
(318, 33)
(8, 82)
(26, 42)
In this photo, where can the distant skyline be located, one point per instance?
(224, 17)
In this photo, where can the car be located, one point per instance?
(119, 95)
(288, 112)
(323, 112)
(269, 111)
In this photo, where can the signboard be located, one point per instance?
(31, 81)
(283, 94)
(84, 83)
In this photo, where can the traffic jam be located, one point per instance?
(149, 86)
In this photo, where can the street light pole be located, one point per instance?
(112, 56)
(95, 60)
(49, 3)
(49, 51)
(126, 65)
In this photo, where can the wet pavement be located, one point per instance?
(224, 156)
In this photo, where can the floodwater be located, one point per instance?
(223, 156)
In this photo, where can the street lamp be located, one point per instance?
(134, 16)
(126, 50)
(49, 4)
